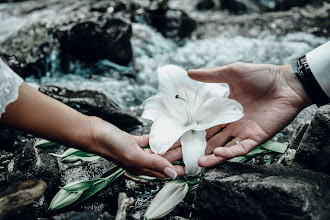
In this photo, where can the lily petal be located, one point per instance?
(174, 80)
(165, 131)
(153, 108)
(216, 111)
(210, 90)
(193, 147)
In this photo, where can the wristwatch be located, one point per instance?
(311, 86)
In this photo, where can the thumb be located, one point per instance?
(159, 164)
(210, 74)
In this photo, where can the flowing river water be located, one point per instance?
(152, 50)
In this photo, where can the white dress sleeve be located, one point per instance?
(319, 63)
(9, 86)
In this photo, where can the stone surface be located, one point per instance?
(33, 163)
(108, 38)
(172, 23)
(95, 104)
(312, 143)
(16, 197)
(312, 19)
(258, 6)
(12, 62)
(31, 46)
(244, 191)
(77, 34)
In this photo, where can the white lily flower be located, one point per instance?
(184, 109)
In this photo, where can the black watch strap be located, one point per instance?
(311, 86)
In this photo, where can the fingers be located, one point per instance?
(142, 140)
(210, 160)
(143, 171)
(218, 140)
(158, 164)
(212, 74)
(171, 155)
(214, 130)
(234, 150)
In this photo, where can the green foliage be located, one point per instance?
(72, 155)
(266, 148)
(42, 143)
(105, 181)
(79, 191)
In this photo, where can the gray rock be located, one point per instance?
(258, 6)
(172, 23)
(312, 142)
(208, 5)
(95, 104)
(313, 19)
(106, 38)
(34, 163)
(244, 191)
(31, 46)
(76, 215)
(17, 198)
(78, 34)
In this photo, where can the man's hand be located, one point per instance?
(271, 96)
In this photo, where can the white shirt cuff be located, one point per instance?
(319, 63)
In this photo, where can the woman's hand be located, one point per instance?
(126, 150)
(48, 118)
(271, 96)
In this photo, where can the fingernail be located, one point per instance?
(170, 173)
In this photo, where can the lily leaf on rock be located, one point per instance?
(184, 109)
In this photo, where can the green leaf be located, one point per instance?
(270, 160)
(73, 158)
(239, 159)
(275, 146)
(167, 199)
(146, 147)
(80, 185)
(64, 198)
(72, 155)
(69, 151)
(256, 151)
(42, 143)
(111, 176)
(143, 177)
(178, 162)
(80, 154)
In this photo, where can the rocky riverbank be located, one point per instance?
(100, 57)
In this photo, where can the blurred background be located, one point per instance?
(115, 46)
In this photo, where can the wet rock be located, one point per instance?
(313, 20)
(104, 200)
(73, 215)
(286, 5)
(77, 34)
(259, 6)
(243, 6)
(92, 41)
(172, 23)
(207, 5)
(312, 142)
(31, 46)
(88, 214)
(243, 191)
(34, 163)
(16, 199)
(93, 103)
(12, 62)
